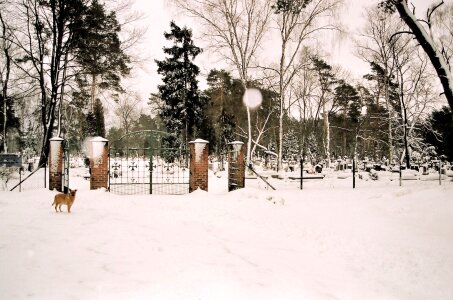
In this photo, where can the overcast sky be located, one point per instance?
(159, 13)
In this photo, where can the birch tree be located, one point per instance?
(5, 71)
(420, 30)
(235, 30)
(374, 46)
(297, 21)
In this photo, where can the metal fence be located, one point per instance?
(149, 171)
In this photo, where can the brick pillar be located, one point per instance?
(56, 164)
(199, 151)
(99, 163)
(236, 166)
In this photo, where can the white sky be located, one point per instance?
(159, 13)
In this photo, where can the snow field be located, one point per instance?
(379, 241)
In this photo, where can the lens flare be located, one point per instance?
(252, 98)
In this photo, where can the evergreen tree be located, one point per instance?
(326, 80)
(11, 120)
(440, 134)
(95, 120)
(290, 145)
(221, 109)
(99, 117)
(349, 101)
(183, 104)
(98, 50)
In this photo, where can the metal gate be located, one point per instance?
(148, 170)
(65, 175)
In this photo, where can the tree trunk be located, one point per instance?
(60, 109)
(280, 129)
(326, 131)
(344, 133)
(249, 140)
(93, 90)
(5, 83)
(428, 45)
(282, 100)
(390, 127)
(48, 128)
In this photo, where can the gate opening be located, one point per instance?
(148, 170)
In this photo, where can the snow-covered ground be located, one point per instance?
(328, 241)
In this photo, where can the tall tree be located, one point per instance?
(375, 47)
(51, 27)
(297, 21)
(425, 40)
(221, 108)
(326, 80)
(5, 71)
(440, 132)
(181, 111)
(235, 29)
(95, 120)
(348, 100)
(98, 50)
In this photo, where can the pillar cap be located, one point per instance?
(56, 138)
(98, 139)
(236, 143)
(199, 141)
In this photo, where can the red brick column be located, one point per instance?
(56, 164)
(199, 151)
(99, 163)
(236, 166)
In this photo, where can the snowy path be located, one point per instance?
(371, 243)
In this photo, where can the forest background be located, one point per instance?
(68, 69)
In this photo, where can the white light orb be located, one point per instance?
(252, 98)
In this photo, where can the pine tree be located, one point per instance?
(326, 79)
(183, 104)
(95, 120)
(11, 120)
(440, 132)
(291, 148)
(221, 108)
(98, 50)
(349, 101)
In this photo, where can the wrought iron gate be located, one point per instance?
(148, 170)
(65, 175)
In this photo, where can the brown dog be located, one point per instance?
(67, 199)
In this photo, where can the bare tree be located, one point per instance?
(374, 46)
(128, 110)
(298, 21)
(415, 92)
(235, 29)
(416, 28)
(46, 38)
(5, 71)
(304, 89)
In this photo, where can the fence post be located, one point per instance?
(199, 152)
(236, 166)
(302, 173)
(99, 163)
(56, 164)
